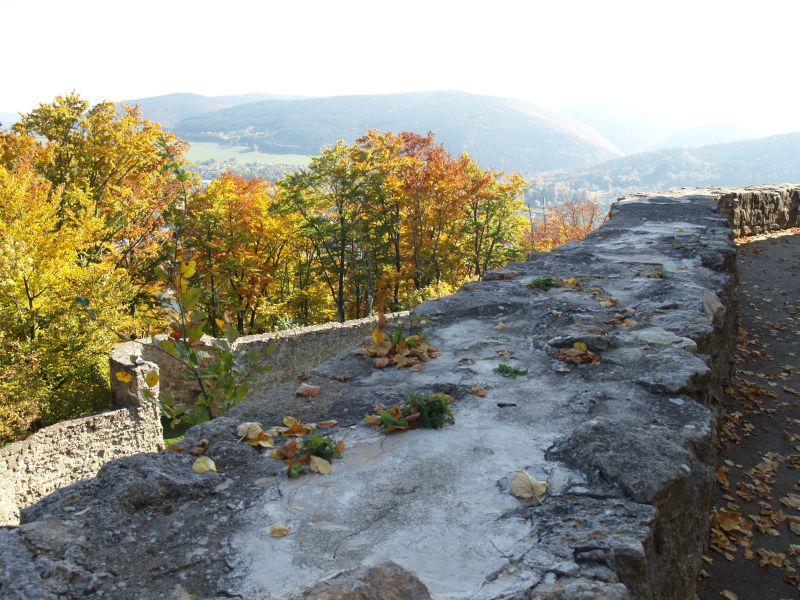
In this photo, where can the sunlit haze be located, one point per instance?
(694, 61)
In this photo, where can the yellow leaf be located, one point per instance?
(203, 465)
(279, 531)
(296, 428)
(378, 336)
(372, 420)
(580, 346)
(151, 378)
(526, 487)
(123, 376)
(317, 464)
(188, 268)
(249, 430)
(263, 440)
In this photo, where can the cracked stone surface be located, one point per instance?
(626, 446)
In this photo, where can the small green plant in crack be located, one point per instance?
(318, 445)
(543, 282)
(509, 371)
(662, 274)
(500, 338)
(418, 411)
(434, 411)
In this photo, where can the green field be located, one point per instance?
(200, 151)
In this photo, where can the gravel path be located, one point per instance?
(755, 536)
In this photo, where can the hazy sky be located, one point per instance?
(697, 61)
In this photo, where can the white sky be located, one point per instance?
(694, 60)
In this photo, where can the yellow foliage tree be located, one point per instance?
(54, 359)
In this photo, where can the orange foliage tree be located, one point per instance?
(572, 220)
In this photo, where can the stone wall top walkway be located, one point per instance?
(626, 447)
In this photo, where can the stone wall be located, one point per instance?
(70, 451)
(761, 209)
(286, 354)
(626, 444)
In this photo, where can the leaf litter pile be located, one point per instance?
(397, 349)
(750, 514)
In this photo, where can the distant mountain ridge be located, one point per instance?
(773, 159)
(501, 133)
(171, 108)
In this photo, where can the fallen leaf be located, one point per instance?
(372, 420)
(339, 378)
(580, 346)
(381, 363)
(203, 465)
(151, 379)
(279, 531)
(307, 391)
(416, 368)
(326, 424)
(466, 361)
(728, 595)
(288, 450)
(317, 464)
(174, 448)
(248, 430)
(479, 391)
(526, 487)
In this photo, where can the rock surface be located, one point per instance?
(385, 581)
(626, 446)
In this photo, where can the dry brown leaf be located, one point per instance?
(287, 451)
(307, 391)
(479, 391)
(174, 448)
(279, 531)
(416, 368)
(381, 363)
(317, 464)
(372, 420)
(326, 424)
(526, 487)
(728, 595)
(575, 356)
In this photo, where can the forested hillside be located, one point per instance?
(167, 110)
(506, 133)
(774, 159)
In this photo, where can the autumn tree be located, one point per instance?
(561, 223)
(240, 243)
(494, 219)
(108, 162)
(327, 197)
(54, 357)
